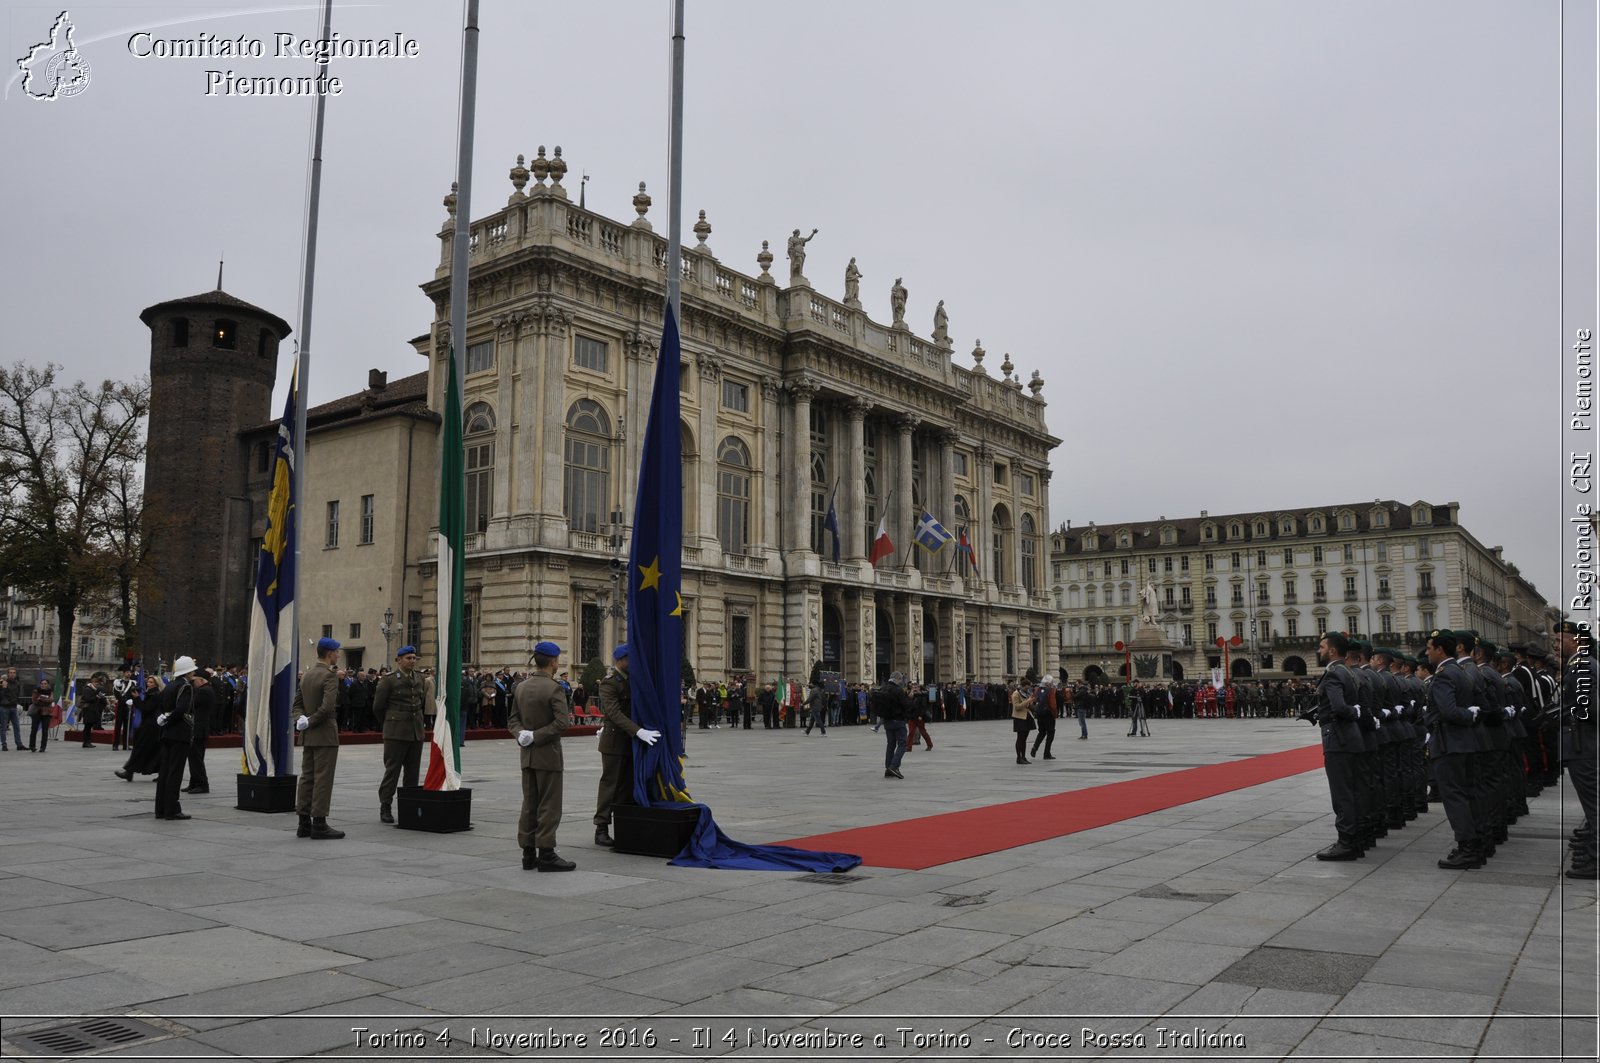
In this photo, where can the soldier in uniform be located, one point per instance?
(1369, 777)
(1516, 763)
(1580, 739)
(1452, 716)
(539, 713)
(616, 744)
(1396, 735)
(176, 724)
(316, 707)
(1417, 752)
(1491, 739)
(399, 705)
(1335, 715)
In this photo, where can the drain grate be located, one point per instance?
(957, 901)
(87, 1035)
(831, 880)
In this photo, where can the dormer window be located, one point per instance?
(1208, 532)
(1089, 542)
(1316, 525)
(1380, 518)
(1286, 526)
(1347, 521)
(1124, 539)
(1261, 529)
(1168, 536)
(1422, 515)
(1235, 530)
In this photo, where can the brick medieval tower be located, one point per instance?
(212, 363)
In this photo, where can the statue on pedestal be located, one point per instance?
(941, 324)
(852, 284)
(797, 255)
(897, 301)
(1150, 605)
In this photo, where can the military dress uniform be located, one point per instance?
(616, 752)
(399, 705)
(1454, 746)
(1580, 742)
(1335, 715)
(540, 706)
(318, 701)
(1369, 773)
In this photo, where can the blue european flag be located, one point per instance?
(831, 522)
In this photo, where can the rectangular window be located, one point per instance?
(1288, 556)
(180, 332)
(1011, 655)
(1422, 550)
(1349, 588)
(480, 485)
(1127, 632)
(1150, 566)
(1211, 633)
(1316, 555)
(1088, 596)
(263, 457)
(1124, 566)
(1237, 561)
(225, 334)
(1428, 618)
(327, 631)
(1349, 554)
(1292, 626)
(1238, 594)
(589, 353)
(1261, 593)
(1211, 562)
(1106, 569)
(1383, 551)
(414, 628)
(1388, 622)
(1025, 482)
(1319, 587)
(1289, 591)
(1183, 596)
(1188, 634)
(1355, 625)
(1038, 658)
(1322, 626)
(1261, 559)
(1171, 598)
(999, 474)
(480, 357)
(684, 377)
(1238, 629)
(735, 396)
(972, 665)
(1166, 565)
(589, 632)
(368, 511)
(355, 631)
(739, 642)
(1211, 597)
(332, 538)
(958, 461)
(1127, 596)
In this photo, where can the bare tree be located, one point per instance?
(64, 449)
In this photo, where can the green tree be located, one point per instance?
(64, 451)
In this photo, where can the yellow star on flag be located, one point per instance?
(678, 611)
(651, 574)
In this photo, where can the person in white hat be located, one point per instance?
(176, 721)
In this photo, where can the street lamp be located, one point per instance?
(388, 630)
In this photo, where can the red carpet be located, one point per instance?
(915, 844)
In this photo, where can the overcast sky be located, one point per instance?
(1266, 254)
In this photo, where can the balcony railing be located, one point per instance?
(1383, 592)
(1351, 596)
(1186, 608)
(1426, 592)
(1290, 598)
(1319, 598)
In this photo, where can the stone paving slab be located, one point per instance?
(1144, 918)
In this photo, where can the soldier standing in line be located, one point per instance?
(1335, 714)
(1580, 739)
(316, 705)
(538, 715)
(1485, 773)
(616, 744)
(1369, 791)
(1516, 764)
(399, 704)
(1452, 716)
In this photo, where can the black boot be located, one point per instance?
(550, 860)
(384, 815)
(320, 829)
(530, 859)
(1343, 849)
(304, 830)
(603, 837)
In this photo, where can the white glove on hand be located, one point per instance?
(1358, 712)
(301, 724)
(1385, 713)
(1474, 710)
(161, 721)
(524, 739)
(649, 737)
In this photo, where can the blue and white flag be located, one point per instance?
(931, 535)
(267, 746)
(831, 521)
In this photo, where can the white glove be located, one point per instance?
(1510, 712)
(161, 721)
(1358, 712)
(524, 739)
(301, 724)
(1474, 710)
(1385, 713)
(649, 737)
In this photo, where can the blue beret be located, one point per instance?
(547, 649)
(620, 652)
(403, 650)
(324, 645)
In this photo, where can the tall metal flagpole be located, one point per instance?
(303, 376)
(463, 234)
(675, 173)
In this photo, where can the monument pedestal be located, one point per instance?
(1152, 652)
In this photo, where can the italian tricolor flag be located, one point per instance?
(444, 754)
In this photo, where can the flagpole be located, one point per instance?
(308, 270)
(675, 171)
(463, 233)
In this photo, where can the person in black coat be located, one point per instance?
(175, 718)
(204, 712)
(145, 756)
(1336, 714)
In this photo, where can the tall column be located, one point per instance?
(638, 369)
(530, 417)
(553, 452)
(984, 515)
(505, 333)
(771, 461)
(710, 385)
(903, 522)
(797, 482)
(853, 489)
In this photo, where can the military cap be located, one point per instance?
(1507, 654)
(547, 649)
(404, 651)
(1487, 647)
(326, 644)
(1571, 627)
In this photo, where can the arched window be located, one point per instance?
(478, 437)
(821, 537)
(588, 472)
(1000, 545)
(1030, 555)
(691, 480)
(963, 521)
(733, 496)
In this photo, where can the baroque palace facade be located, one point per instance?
(1386, 570)
(790, 399)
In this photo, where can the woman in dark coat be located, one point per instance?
(145, 757)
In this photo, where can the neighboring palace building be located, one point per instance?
(785, 392)
(1385, 570)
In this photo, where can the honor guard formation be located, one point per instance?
(1477, 728)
